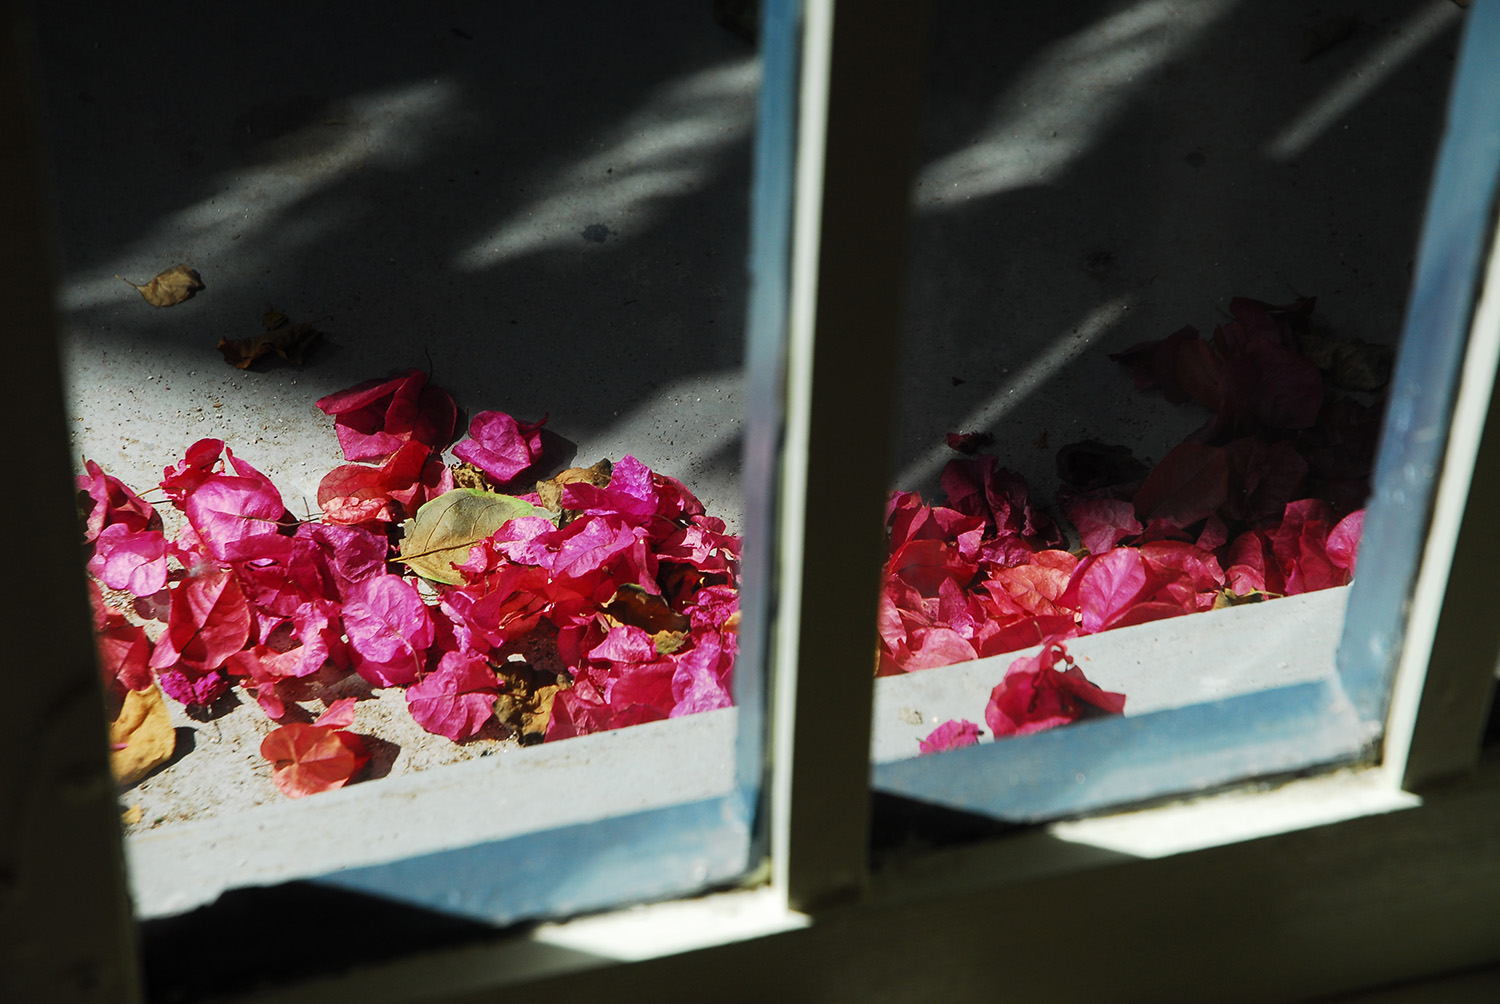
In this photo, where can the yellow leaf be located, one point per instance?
(446, 527)
(176, 284)
(141, 737)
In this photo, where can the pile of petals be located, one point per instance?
(1261, 501)
(623, 602)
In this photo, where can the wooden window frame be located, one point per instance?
(1322, 885)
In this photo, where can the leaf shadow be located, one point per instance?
(383, 755)
(224, 705)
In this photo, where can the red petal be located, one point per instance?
(1034, 696)
(1108, 585)
(307, 759)
(338, 715)
(209, 622)
(1190, 482)
(376, 418)
(113, 503)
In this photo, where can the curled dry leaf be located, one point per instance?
(466, 475)
(446, 527)
(287, 340)
(1352, 364)
(171, 287)
(633, 605)
(141, 736)
(550, 492)
(525, 705)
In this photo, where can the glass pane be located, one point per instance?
(358, 241)
(1160, 265)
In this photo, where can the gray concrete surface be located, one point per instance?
(1098, 174)
(546, 204)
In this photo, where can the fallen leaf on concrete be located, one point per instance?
(306, 759)
(176, 284)
(141, 736)
(285, 339)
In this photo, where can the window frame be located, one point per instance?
(1325, 891)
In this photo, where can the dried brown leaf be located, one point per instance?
(467, 475)
(141, 736)
(632, 605)
(287, 340)
(551, 491)
(1350, 363)
(525, 705)
(171, 287)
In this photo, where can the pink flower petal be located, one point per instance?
(135, 560)
(500, 446)
(950, 735)
(457, 698)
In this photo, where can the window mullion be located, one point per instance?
(1436, 734)
(857, 131)
(65, 927)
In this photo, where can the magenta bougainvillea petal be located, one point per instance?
(209, 622)
(1103, 522)
(389, 629)
(111, 503)
(124, 652)
(501, 446)
(237, 517)
(200, 462)
(376, 418)
(1035, 695)
(457, 698)
(951, 735)
(133, 560)
(1189, 483)
(1107, 585)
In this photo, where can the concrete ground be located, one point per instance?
(547, 209)
(546, 205)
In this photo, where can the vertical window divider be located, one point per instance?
(65, 923)
(861, 83)
(1447, 669)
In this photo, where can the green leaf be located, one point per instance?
(446, 527)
